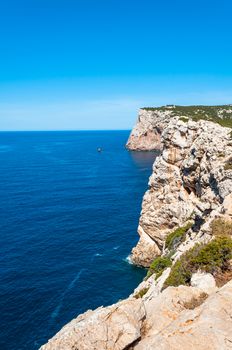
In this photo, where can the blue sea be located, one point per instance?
(68, 221)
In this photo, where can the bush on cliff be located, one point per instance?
(141, 293)
(158, 266)
(213, 257)
(176, 237)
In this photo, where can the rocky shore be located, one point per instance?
(185, 231)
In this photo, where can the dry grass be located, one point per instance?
(195, 301)
(222, 278)
(221, 227)
(228, 164)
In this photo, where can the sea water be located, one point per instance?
(68, 222)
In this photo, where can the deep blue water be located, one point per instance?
(68, 221)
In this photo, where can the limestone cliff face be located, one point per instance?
(189, 179)
(145, 135)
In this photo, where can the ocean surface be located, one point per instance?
(68, 221)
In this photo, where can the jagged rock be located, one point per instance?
(227, 207)
(113, 327)
(153, 285)
(162, 310)
(208, 326)
(178, 318)
(145, 136)
(156, 286)
(204, 281)
(188, 176)
(145, 251)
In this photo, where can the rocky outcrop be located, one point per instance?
(189, 179)
(113, 327)
(146, 134)
(177, 318)
(175, 321)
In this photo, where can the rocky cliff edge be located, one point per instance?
(185, 231)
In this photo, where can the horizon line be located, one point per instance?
(65, 130)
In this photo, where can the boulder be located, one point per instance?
(204, 281)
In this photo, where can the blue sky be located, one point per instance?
(90, 64)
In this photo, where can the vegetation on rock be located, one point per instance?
(176, 237)
(141, 293)
(158, 266)
(184, 119)
(218, 114)
(195, 301)
(213, 257)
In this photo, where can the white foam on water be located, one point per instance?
(128, 260)
(95, 256)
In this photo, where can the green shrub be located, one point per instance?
(212, 257)
(221, 227)
(184, 119)
(141, 293)
(158, 266)
(176, 237)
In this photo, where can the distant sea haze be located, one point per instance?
(68, 221)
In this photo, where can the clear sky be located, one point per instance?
(90, 64)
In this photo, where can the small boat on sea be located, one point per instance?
(99, 149)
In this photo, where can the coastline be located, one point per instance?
(189, 190)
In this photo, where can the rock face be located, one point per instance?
(189, 179)
(204, 281)
(173, 324)
(151, 122)
(145, 136)
(113, 327)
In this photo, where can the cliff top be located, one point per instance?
(219, 114)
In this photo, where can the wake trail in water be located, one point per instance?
(56, 312)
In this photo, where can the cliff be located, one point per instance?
(185, 232)
(145, 136)
(190, 177)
